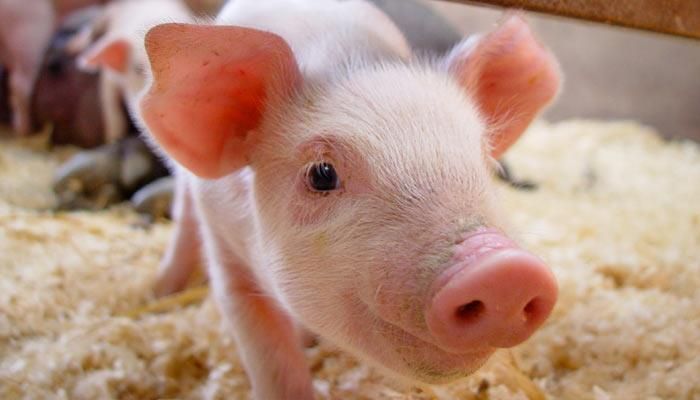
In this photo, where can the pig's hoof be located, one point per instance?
(155, 198)
(165, 286)
(174, 277)
(168, 282)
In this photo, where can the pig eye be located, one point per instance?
(321, 177)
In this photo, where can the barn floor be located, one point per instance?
(617, 216)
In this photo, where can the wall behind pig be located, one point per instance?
(610, 72)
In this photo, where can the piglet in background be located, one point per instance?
(26, 27)
(113, 46)
(343, 186)
(70, 101)
(65, 97)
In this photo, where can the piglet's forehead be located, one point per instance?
(404, 104)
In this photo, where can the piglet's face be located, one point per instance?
(124, 58)
(114, 41)
(374, 190)
(364, 193)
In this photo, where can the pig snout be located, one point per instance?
(494, 294)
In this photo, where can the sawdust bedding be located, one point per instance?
(617, 216)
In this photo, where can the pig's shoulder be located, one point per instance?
(233, 189)
(225, 206)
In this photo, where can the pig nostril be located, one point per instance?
(470, 312)
(531, 310)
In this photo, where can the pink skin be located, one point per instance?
(271, 341)
(494, 295)
(383, 264)
(25, 31)
(183, 253)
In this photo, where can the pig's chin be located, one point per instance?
(409, 356)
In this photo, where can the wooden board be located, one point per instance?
(674, 17)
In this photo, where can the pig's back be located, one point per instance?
(323, 34)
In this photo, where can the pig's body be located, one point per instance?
(26, 27)
(340, 185)
(64, 96)
(25, 30)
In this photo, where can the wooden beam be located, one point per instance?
(674, 17)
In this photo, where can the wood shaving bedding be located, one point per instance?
(616, 215)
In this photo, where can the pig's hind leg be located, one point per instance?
(183, 253)
(267, 340)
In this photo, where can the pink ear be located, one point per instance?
(112, 54)
(211, 86)
(511, 77)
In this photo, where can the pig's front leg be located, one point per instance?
(267, 341)
(184, 249)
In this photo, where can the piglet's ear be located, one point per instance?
(211, 87)
(511, 77)
(107, 53)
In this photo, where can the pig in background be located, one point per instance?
(31, 31)
(64, 96)
(112, 45)
(69, 101)
(26, 27)
(343, 186)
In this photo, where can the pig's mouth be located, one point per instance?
(413, 357)
(494, 295)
